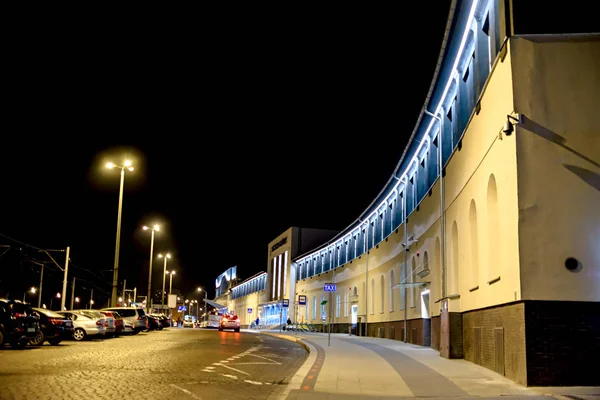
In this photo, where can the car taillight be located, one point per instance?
(106, 324)
(99, 322)
(55, 321)
(141, 318)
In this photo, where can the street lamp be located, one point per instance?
(126, 165)
(171, 280)
(77, 300)
(164, 273)
(205, 294)
(155, 228)
(52, 298)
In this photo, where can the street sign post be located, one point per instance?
(330, 288)
(302, 300)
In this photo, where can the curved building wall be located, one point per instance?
(472, 262)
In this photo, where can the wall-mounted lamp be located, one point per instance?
(508, 127)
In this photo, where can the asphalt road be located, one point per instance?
(175, 363)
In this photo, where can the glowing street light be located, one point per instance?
(126, 165)
(164, 273)
(171, 280)
(33, 290)
(155, 228)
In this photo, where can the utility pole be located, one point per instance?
(124, 288)
(72, 293)
(92, 299)
(135, 294)
(63, 299)
(40, 290)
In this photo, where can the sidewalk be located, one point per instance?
(367, 368)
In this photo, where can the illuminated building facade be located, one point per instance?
(485, 242)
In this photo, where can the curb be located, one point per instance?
(290, 338)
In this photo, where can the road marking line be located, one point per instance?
(209, 367)
(230, 376)
(207, 370)
(254, 363)
(192, 395)
(253, 382)
(234, 369)
(265, 358)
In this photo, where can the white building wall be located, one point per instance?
(557, 90)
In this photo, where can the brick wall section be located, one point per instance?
(511, 317)
(435, 333)
(417, 330)
(563, 343)
(456, 335)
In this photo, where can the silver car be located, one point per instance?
(136, 317)
(86, 323)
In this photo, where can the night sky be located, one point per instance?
(236, 135)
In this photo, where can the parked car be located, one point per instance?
(109, 321)
(85, 324)
(163, 320)
(18, 323)
(153, 322)
(135, 316)
(118, 320)
(54, 327)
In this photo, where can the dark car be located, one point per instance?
(163, 320)
(53, 327)
(18, 323)
(154, 323)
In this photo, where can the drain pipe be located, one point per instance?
(405, 262)
(366, 252)
(442, 203)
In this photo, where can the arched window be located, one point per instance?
(438, 266)
(372, 305)
(453, 278)
(381, 293)
(474, 244)
(494, 237)
(392, 283)
(412, 293)
(346, 302)
(363, 303)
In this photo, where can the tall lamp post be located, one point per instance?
(162, 307)
(155, 228)
(205, 294)
(126, 165)
(171, 273)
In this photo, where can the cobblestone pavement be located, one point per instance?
(175, 363)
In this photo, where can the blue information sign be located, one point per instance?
(249, 311)
(302, 300)
(285, 302)
(330, 287)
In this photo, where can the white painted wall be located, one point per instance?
(557, 89)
